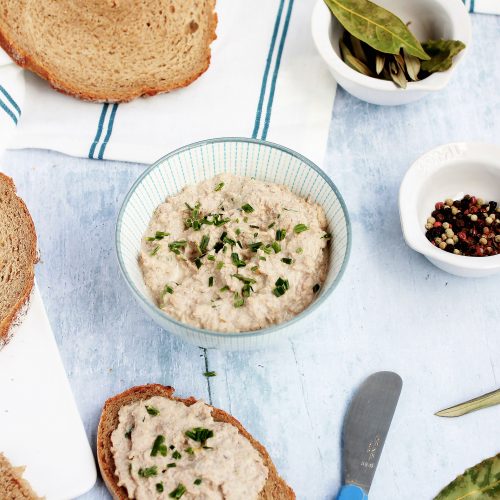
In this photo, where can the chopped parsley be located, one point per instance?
(176, 455)
(176, 246)
(148, 471)
(155, 250)
(178, 492)
(236, 260)
(209, 374)
(219, 186)
(211, 281)
(282, 286)
(197, 481)
(300, 228)
(316, 288)
(287, 260)
(280, 234)
(159, 446)
(200, 434)
(159, 487)
(237, 300)
(255, 246)
(247, 208)
(152, 410)
(159, 235)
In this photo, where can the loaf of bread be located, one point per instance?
(274, 488)
(12, 484)
(18, 255)
(110, 50)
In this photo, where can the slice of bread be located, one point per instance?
(18, 256)
(274, 489)
(12, 484)
(110, 50)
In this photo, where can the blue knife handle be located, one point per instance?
(352, 492)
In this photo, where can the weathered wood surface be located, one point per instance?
(392, 311)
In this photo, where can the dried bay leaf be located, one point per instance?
(397, 75)
(376, 26)
(358, 50)
(353, 62)
(379, 63)
(441, 54)
(412, 65)
(481, 482)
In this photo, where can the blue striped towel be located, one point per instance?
(265, 80)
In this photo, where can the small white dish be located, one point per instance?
(434, 19)
(449, 171)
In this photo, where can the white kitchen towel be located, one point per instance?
(483, 6)
(265, 80)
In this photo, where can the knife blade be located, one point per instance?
(484, 401)
(364, 432)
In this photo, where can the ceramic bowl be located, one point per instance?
(449, 171)
(434, 19)
(200, 161)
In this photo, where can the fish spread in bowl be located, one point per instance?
(234, 254)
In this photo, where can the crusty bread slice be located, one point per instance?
(18, 256)
(110, 50)
(12, 484)
(274, 489)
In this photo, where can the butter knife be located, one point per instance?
(489, 399)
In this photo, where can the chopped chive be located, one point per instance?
(178, 492)
(276, 247)
(210, 374)
(237, 231)
(287, 260)
(197, 481)
(176, 455)
(271, 225)
(159, 447)
(152, 410)
(159, 487)
(244, 279)
(255, 235)
(159, 235)
(282, 286)
(220, 265)
(254, 226)
(255, 246)
(224, 289)
(239, 244)
(171, 465)
(189, 451)
(155, 250)
(219, 186)
(280, 234)
(254, 268)
(245, 291)
(128, 434)
(261, 257)
(218, 246)
(204, 243)
(245, 219)
(247, 208)
(198, 263)
(211, 281)
(300, 228)
(267, 249)
(172, 447)
(211, 257)
(148, 471)
(175, 246)
(237, 300)
(237, 261)
(316, 288)
(200, 434)
(299, 250)
(168, 289)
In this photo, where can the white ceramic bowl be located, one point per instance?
(435, 19)
(449, 171)
(203, 160)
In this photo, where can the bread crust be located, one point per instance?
(7, 322)
(24, 60)
(274, 489)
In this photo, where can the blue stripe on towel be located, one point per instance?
(266, 71)
(471, 8)
(108, 133)
(9, 98)
(8, 111)
(276, 70)
(99, 130)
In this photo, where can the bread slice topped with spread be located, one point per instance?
(151, 445)
(12, 484)
(110, 50)
(18, 256)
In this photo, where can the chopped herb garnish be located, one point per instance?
(300, 228)
(237, 261)
(255, 235)
(178, 492)
(218, 246)
(159, 487)
(148, 471)
(219, 186)
(211, 281)
(316, 288)
(254, 268)
(239, 244)
(247, 208)
(238, 300)
(327, 236)
(254, 227)
(189, 451)
(276, 247)
(218, 220)
(155, 250)
(171, 465)
(128, 434)
(224, 289)
(229, 241)
(200, 434)
(255, 246)
(168, 289)
(198, 263)
(176, 455)
(245, 219)
(152, 410)
(210, 374)
(287, 260)
(237, 231)
(261, 257)
(271, 225)
(220, 265)
(299, 250)
(197, 481)
(282, 286)
(176, 246)
(159, 235)
(204, 243)
(280, 234)
(159, 446)
(211, 257)
(244, 279)
(245, 291)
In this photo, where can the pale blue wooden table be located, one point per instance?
(393, 310)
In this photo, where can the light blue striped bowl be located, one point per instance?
(194, 163)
